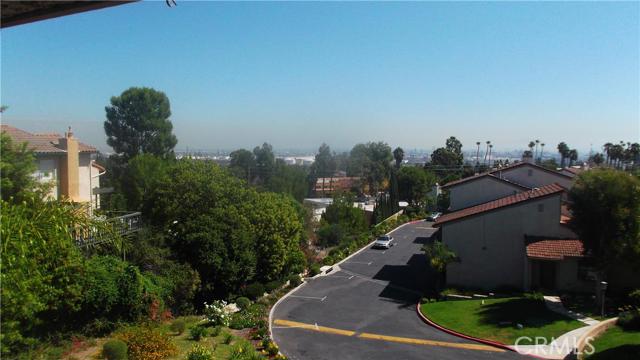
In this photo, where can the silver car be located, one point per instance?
(383, 242)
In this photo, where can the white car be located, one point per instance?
(434, 216)
(383, 242)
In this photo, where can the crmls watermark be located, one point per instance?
(541, 346)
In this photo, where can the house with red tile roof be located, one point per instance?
(65, 163)
(517, 241)
(494, 184)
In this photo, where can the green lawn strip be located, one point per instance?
(497, 319)
(617, 344)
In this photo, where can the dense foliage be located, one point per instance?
(229, 233)
(606, 214)
(17, 165)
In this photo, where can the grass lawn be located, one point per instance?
(617, 344)
(497, 319)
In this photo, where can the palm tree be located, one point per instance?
(541, 151)
(536, 157)
(531, 145)
(478, 153)
(563, 149)
(607, 151)
(573, 156)
(486, 152)
(490, 149)
(398, 155)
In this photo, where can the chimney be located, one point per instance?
(69, 167)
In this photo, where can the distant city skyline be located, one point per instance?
(299, 74)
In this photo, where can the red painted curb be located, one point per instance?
(460, 335)
(467, 337)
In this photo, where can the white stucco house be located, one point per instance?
(65, 163)
(495, 184)
(519, 241)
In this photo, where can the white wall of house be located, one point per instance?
(533, 177)
(85, 181)
(479, 191)
(47, 173)
(491, 246)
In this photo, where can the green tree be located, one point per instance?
(17, 165)
(289, 180)
(563, 149)
(342, 212)
(573, 156)
(242, 163)
(278, 228)
(138, 123)
(596, 159)
(42, 268)
(371, 161)
(606, 214)
(414, 184)
(550, 164)
(439, 256)
(398, 155)
(142, 175)
(265, 162)
(324, 165)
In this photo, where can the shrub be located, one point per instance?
(537, 296)
(227, 338)
(254, 291)
(216, 313)
(145, 343)
(243, 302)
(215, 331)
(294, 280)
(178, 326)
(247, 318)
(634, 297)
(630, 319)
(197, 332)
(314, 269)
(272, 285)
(115, 350)
(199, 352)
(271, 348)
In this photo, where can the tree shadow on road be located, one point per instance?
(407, 283)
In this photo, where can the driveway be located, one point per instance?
(366, 310)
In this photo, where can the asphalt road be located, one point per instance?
(366, 310)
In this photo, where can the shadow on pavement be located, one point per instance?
(415, 276)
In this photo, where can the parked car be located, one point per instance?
(434, 216)
(383, 242)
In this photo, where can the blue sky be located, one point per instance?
(298, 74)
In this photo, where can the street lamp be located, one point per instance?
(603, 290)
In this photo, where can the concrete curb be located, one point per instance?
(278, 302)
(585, 339)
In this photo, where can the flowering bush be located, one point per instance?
(216, 313)
(199, 352)
(145, 343)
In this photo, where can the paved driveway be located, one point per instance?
(366, 310)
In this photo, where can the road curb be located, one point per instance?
(428, 321)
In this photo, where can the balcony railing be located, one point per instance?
(120, 225)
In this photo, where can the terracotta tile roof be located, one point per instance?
(555, 249)
(496, 172)
(46, 143)
(500, 203)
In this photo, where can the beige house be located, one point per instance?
(518, 241)
(65, 163)
(480, 189)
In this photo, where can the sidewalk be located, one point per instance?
(563, 345)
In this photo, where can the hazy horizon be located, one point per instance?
(300, 74)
